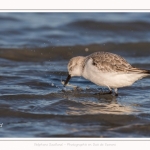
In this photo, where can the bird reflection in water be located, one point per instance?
(89, 103)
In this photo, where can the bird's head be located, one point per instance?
(75, 66)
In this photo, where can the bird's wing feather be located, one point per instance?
(108, 62)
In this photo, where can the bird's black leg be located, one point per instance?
(109, 92)
(104, 92)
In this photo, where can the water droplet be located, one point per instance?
(86, 49)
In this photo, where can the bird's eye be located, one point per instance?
(94, 63)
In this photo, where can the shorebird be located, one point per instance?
(105, 69)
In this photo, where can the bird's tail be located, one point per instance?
(138, 70)
(147, 71)
(140, 73)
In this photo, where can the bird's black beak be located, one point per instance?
(67, 80)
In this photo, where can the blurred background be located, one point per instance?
(19, 30)
(34, 51)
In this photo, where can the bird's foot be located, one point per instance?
(103, 93)
(110, 92)
(116, 94)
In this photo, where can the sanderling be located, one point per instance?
(105, 69)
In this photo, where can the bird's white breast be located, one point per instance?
(111, 79)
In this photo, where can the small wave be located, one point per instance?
(110, 26)
(9, 19)
(66, 52)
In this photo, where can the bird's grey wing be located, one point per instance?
(108, 62)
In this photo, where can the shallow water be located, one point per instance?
(34, 52)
